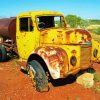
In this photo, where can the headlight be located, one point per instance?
(95, 52)
(73, 61)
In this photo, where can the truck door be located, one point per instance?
(25, 37)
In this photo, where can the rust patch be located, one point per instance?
(44, 32)
(68, 35)
(56, 60)
(73, 52)
(85, 32)
(78, 39)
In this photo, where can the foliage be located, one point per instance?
(84, 23)
(73, 20)
(76, 22)
(97, 77)
(94, 21)
(77, 98)
(97, 88)
(97, 31)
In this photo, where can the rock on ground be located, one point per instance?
(86, 80)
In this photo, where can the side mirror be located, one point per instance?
(41, 25)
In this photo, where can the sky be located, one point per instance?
(86, 9)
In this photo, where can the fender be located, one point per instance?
(56, 60)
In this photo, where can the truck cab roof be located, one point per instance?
(40, 13)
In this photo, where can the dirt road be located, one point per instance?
(15, 85)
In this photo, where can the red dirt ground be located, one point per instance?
(15, 85)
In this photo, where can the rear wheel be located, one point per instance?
(38, 76)
(3, 54)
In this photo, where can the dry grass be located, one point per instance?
(97, 77)
(96, 37)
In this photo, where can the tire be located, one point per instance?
(39, 76)
(91, 70)
(3, 53)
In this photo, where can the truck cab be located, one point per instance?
(32, 27)
(45, 34)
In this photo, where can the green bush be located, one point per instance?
(97, 31)
(97, 77)
(73, 20)
(97, 88)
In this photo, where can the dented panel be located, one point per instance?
(78, 36)
(56, 60)
(62, 36)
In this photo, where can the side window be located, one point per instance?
(26, 24)
(58, 21)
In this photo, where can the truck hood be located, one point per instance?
(65, 36)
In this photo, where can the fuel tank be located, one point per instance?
(8, 28)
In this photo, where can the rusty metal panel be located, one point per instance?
(85, 58)
(78, 36)
(8, 28)
(56, 60)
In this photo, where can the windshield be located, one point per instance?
(50, 21)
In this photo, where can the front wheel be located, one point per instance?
(38, 76)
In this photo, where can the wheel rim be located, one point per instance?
(32, 73)
(32, 77)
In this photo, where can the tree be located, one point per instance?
(84, 23)
(73, 20)
(76, 21)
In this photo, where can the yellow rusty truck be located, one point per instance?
(43, 41)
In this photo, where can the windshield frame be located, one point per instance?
(61, 16)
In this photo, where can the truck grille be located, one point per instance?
(85, 56)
